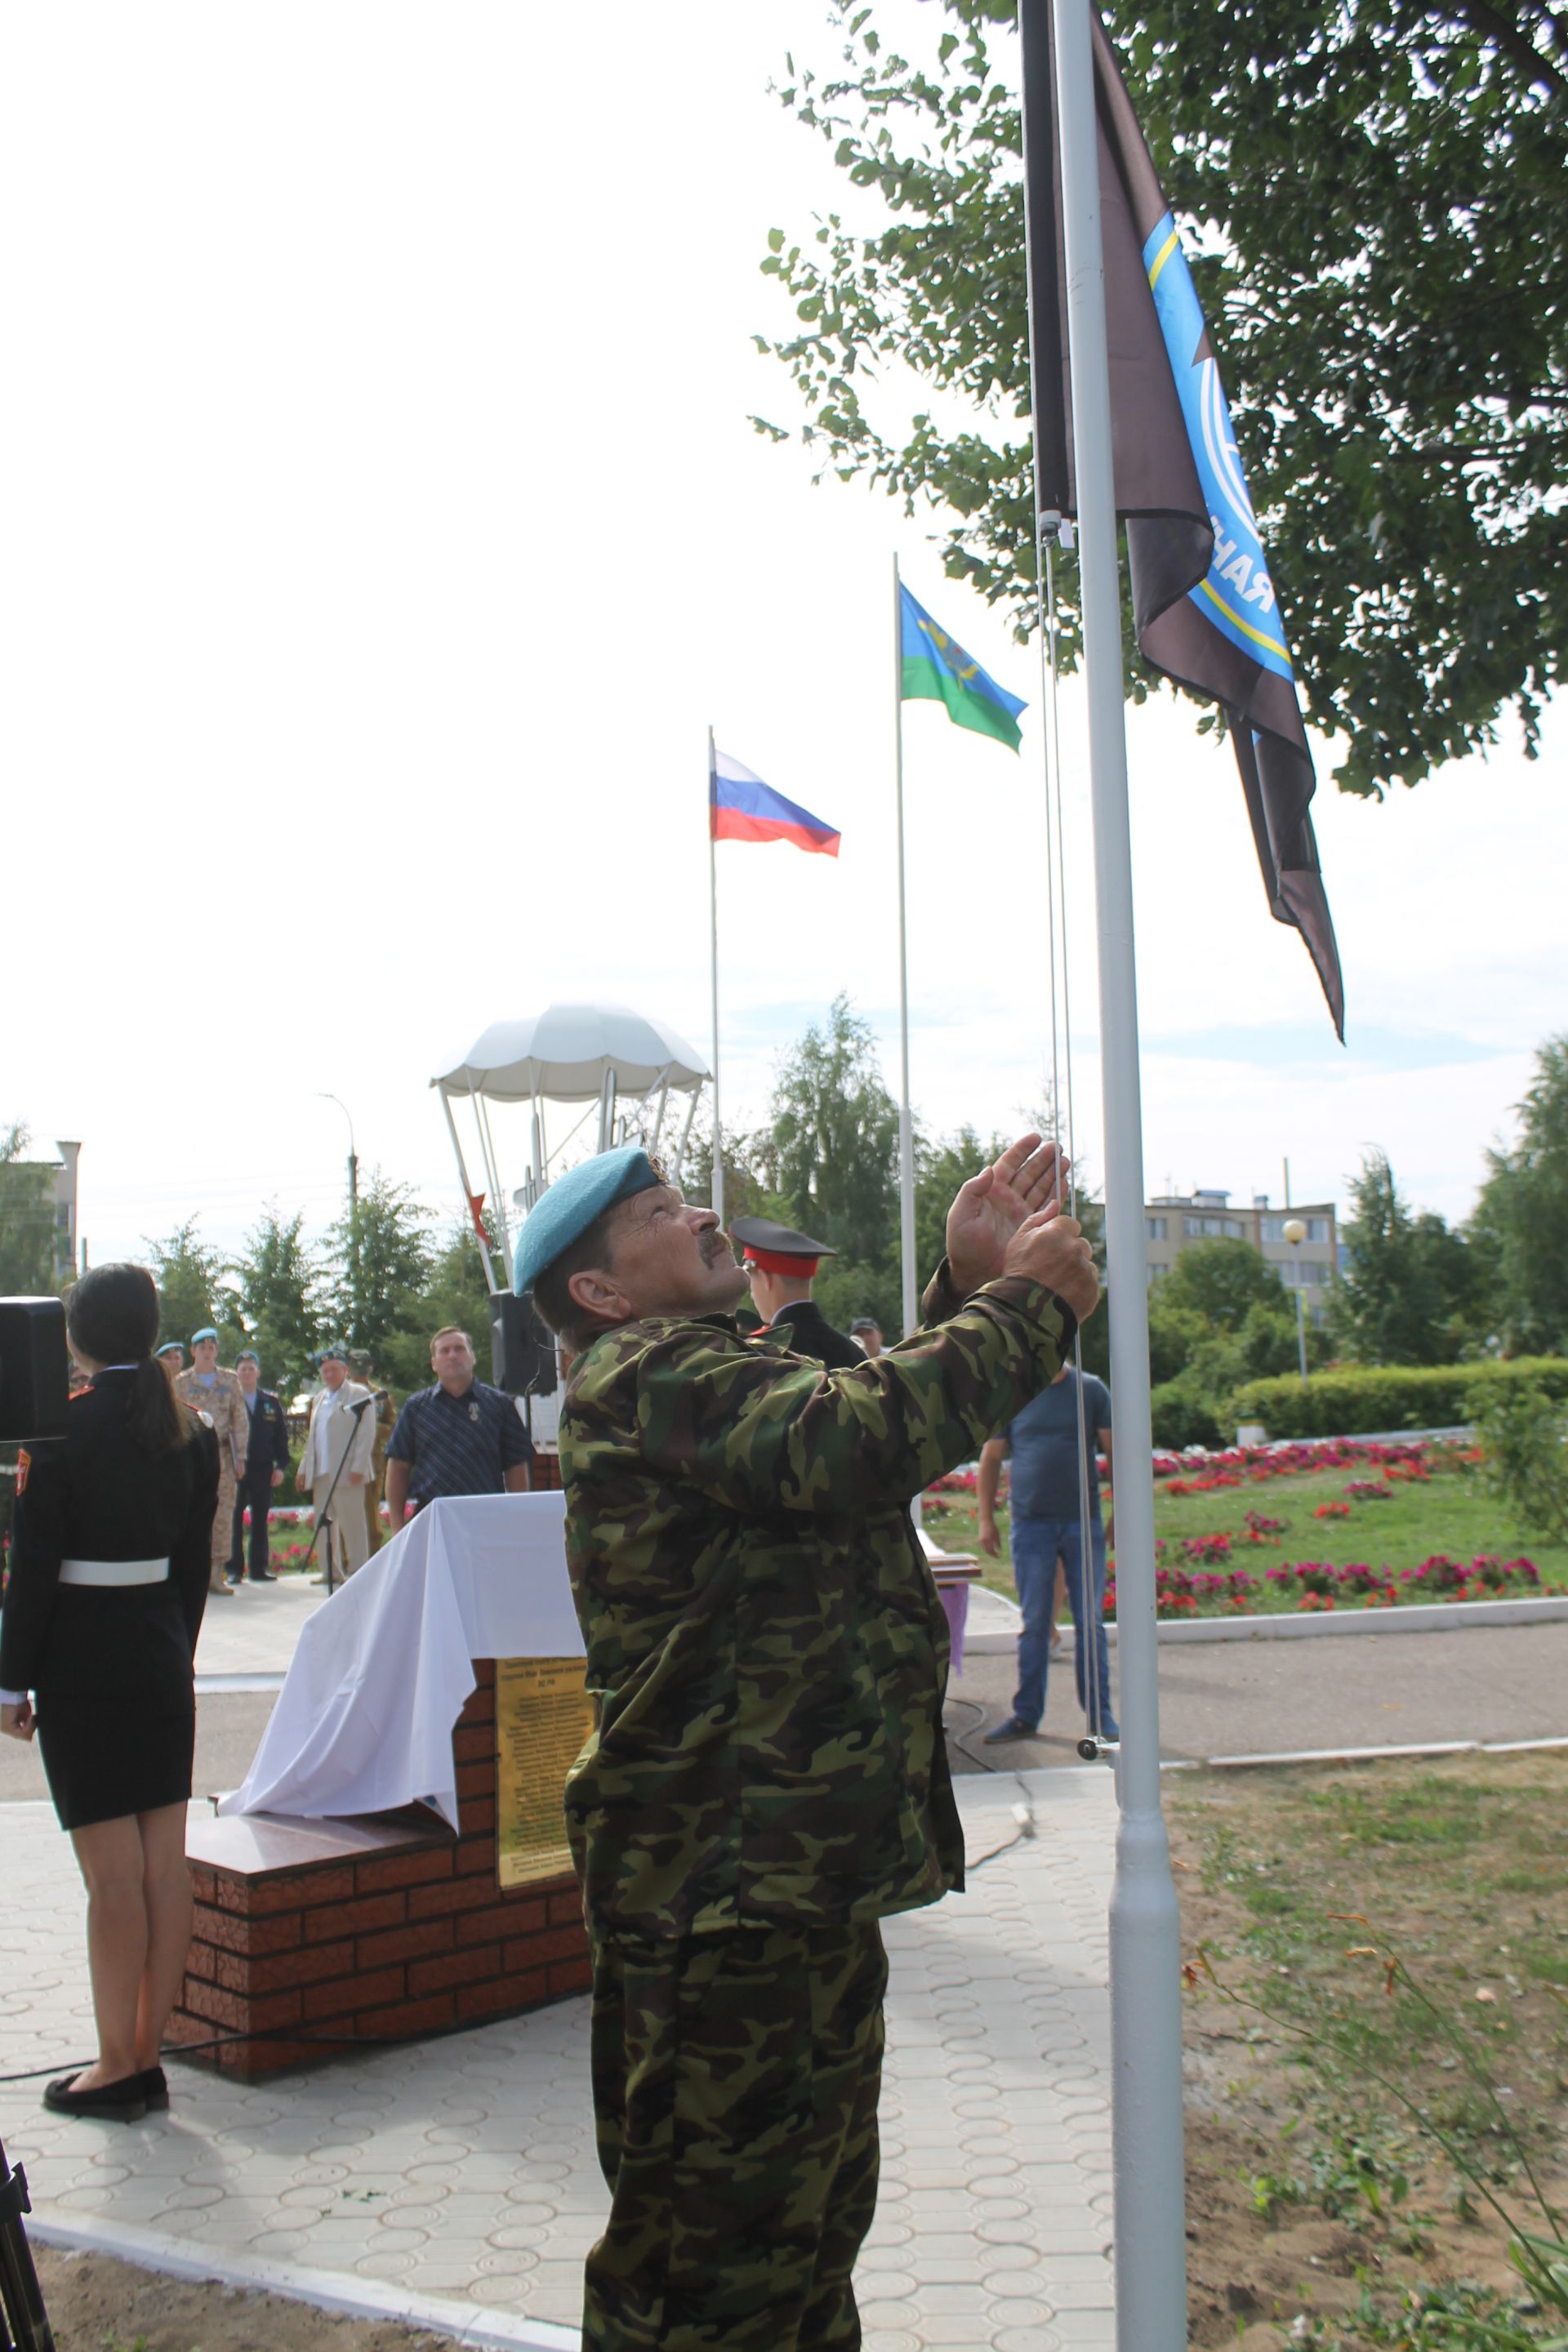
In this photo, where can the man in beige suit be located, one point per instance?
(337, 1432)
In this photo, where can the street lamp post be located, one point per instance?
(353, 1197)
(1295, 1233)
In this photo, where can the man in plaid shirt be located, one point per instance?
(458, 1437)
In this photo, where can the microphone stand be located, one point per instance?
(324, 1516)
(24, 2322)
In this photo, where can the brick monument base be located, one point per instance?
(313, 1937)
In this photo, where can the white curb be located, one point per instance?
(351, 2297)
(1355, 1755)
(1424, 1617)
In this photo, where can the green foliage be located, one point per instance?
(833, 1149)
(193, 1290)
(1174, 1335)
(454, 1292)
(1372, 203)
(27, 1227)
(1353, 1400)
(382, 1263)
(746, 1188)
(275, 1281)
(1523, 1439)
(940, 1168)
(1222, 1281)
(1182, 1413)
(828, 1163)
(1221, 1316)
(1414, 1293)
(1451, 2318)
(1523, 1214)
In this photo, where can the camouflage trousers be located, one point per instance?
(223, 1518)
(735, 2085)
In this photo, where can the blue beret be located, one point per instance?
(568, 1210)
(206, 1332)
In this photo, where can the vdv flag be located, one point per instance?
(741, 807)
(1204, 606)
(937, 669)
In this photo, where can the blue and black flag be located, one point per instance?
(1204, 604)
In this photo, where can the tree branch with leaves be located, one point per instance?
(1371, 197)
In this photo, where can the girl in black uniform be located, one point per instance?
(110, 1554)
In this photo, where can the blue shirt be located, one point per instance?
(1043, 1439)
(459, 1444)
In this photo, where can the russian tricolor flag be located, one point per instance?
(741, 807)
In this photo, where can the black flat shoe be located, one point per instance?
(154, 2087)
(263, 1576)
(115, 2103)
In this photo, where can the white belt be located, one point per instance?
(114, 1572)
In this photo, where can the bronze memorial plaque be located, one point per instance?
(543, 1716)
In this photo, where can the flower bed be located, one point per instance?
(1409, 1518)
(1314, 1585)
(1207, 1473)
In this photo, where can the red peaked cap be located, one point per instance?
(778, 1249)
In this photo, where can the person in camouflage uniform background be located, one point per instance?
(768, 1778)
(208, 1387)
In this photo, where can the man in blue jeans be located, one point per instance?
(1046, 1504)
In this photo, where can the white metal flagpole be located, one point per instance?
(716, 1195)
(1145, 1928)
(906, 1122)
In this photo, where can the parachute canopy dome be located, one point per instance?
(566, 1052)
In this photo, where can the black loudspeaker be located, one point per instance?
(34, 1369)
(522, 1353)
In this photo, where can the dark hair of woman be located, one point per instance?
(112, 1314)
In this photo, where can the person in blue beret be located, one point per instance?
(768, 1778)
(208, 1387)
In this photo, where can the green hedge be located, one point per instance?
(1361, 1397)
(1182, 1415)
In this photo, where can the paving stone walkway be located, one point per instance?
(463, 2169)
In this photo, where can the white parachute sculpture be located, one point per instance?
(605, 1056)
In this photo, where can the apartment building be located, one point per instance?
(60, 1206)
(1176, 1220)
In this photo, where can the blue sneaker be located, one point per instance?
(1009, 1729)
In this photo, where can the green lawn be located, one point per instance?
(1376, 2026)
(1449, 1512)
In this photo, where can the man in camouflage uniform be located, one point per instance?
(207, 1388)
(768, 1778)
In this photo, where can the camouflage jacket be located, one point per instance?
(224, 1405)
(764, 1637)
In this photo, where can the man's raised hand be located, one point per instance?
(1050, 1249)
(989, 1209)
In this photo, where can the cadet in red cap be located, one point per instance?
(780, 1267)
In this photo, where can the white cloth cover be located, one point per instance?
(364, 1722)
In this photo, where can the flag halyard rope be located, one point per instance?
(1087, 1659)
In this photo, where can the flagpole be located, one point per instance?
(906, 1122)
(716, 1193)
(1145, 1928)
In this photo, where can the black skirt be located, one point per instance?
(106, 1758)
